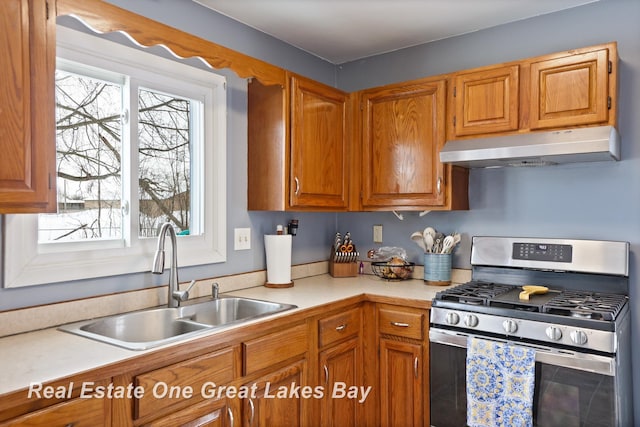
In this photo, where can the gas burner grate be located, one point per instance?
(590, 305)
(474, 293)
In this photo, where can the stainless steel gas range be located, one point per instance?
(567, 300)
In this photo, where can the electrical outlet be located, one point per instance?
(377, 233)
(241, 239)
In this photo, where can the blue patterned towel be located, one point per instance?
(500, 384)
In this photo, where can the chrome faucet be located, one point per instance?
(175, 296)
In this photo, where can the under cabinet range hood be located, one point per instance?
(590, 144)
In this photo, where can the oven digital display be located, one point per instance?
(542, 252)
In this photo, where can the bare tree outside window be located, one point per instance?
(90, 130)
(164, 162)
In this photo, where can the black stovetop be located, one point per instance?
(560, 302)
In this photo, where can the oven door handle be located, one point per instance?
(603, 365)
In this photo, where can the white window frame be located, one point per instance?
(29, 263)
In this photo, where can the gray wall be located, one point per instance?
(598, 201)
(592, 201)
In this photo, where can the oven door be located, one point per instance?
(571, 389)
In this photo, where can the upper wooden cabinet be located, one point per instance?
(560, 90)
(572, 89)
(402, 132)
(27, 112)
(486, 101)
(297, 146)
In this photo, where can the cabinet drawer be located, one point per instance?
(218, 367)
(339, 326)
(78, 413)
(402, 322)
(274, 348)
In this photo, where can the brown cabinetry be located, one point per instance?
(573, 89)
(340, 365)
(298, 153)
(27, 118)
(404, 365)
(279, 399)
(192, 380)
(89, 412)
(560, 90)
(282, 390)
(403, 130)
(486, 101)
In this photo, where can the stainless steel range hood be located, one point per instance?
(591, 144)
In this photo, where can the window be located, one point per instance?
(140, 141)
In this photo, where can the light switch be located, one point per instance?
(377, 233)
(241, 239)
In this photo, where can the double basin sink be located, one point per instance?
(146, 329)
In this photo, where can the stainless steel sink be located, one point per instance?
(146, 329)
(227, 310)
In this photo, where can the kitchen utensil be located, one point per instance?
(417, 237)
(447, 245)
(528, 290)
(428, 241)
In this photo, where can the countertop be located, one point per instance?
(49, 354)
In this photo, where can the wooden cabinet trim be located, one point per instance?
(106, 18)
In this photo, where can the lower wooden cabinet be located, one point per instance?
(403, 366)
(311, 371)
(279, 400)
(78, 412)
(219, 413)
(340, 367)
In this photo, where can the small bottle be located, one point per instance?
(361, 268)
(279, 230)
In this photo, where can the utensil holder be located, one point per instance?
(437, 269)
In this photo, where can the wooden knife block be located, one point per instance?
(343, 269)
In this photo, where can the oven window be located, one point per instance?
(570, 398)
(563, 397)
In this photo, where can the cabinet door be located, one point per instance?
(216, 413)
(403, 130)
(276, 402)
(570, 90)
(486, 101)
(27, 126)
(401, 385)
(319, 173)
(77, 412)
(340, 366)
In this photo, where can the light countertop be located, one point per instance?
(49, 354)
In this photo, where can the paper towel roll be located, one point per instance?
(278, 250)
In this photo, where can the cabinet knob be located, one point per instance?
(341, 327)
(326, 374)
(439, 185)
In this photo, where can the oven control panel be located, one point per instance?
(542, 252)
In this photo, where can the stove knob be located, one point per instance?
(510, 326)
(579, 337)
(471, 320)
(452, 318)
(553, 333)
